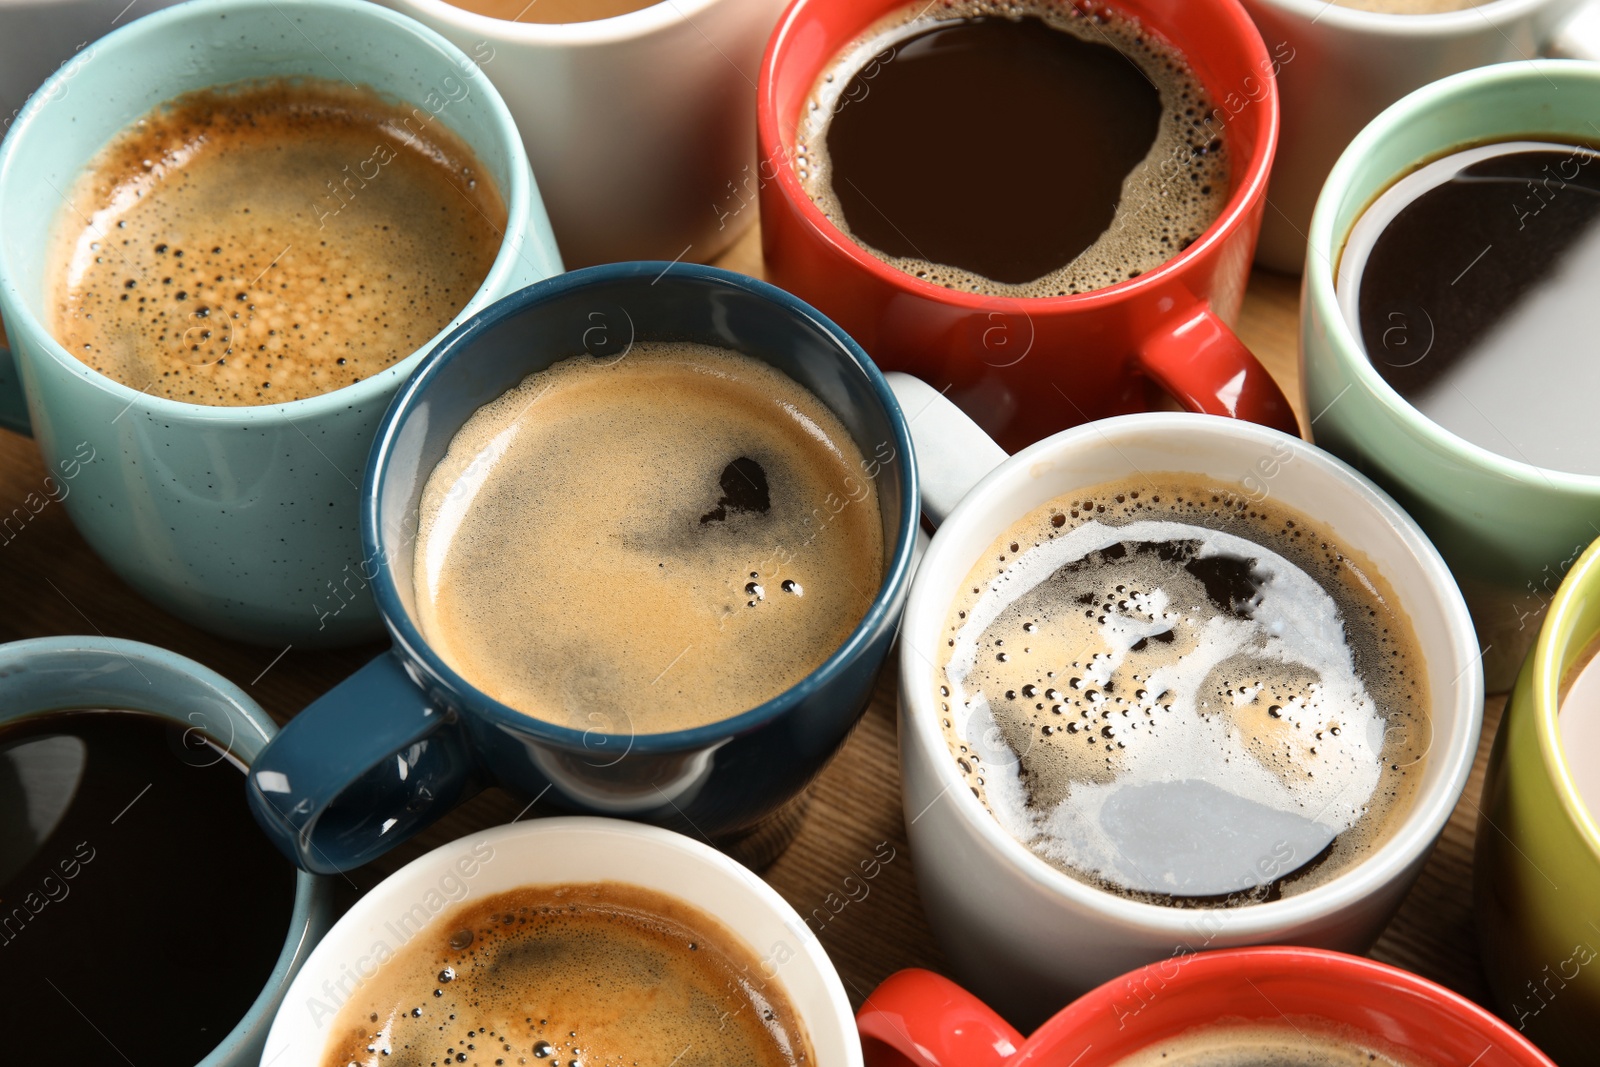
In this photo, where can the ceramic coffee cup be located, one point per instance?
(63, 673)
(1508, 529)
(919, 1019)
(241, 520)
(394, 746)
(555, 852)
(1537, 871)
(1339, 66)
(638, 125)
(990, 897)
(1026, 367)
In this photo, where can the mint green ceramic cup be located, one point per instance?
(243, 521)
(1508, 529)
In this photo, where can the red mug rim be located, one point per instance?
(1265, 961)
(770, 139)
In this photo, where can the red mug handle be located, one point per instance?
(919, 1019)
(1203, 364)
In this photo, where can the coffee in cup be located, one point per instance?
(1470, 283)
(1298, 1043)
(913, 143)
(141, 911)
(552, 11)
(647, 543)
(269, 241)
(590, 973)
(1177, 693)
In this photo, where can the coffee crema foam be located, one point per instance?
(647, 544)
(584, 975)
(269, 241)
(1168, 200)
(1140, 636)
(1298, 1042)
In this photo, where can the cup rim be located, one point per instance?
(1411, 839)
(518, 196)
(770, 127)
(891, 592)
(1549, 652)
(394, 887)
(1296, 961)
(1326, 247)
(313, 894)
(615, 29)
(1418, 26)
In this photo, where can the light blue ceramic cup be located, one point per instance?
(244, 521)
(59, 673)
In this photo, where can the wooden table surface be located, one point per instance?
(51, 583)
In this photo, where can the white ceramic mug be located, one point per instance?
(641, 127)
(1339, 66)
(1024, 936)
(554, 852)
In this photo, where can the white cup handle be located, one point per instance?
(953, 454)
(1579, 37)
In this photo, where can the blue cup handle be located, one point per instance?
(13, 405)
(361, 769)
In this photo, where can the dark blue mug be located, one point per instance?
(404, 739)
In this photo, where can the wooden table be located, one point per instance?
(51, 583)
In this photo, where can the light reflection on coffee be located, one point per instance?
(647, 544)
(913, 144)
(593, 975)
(1182, 696)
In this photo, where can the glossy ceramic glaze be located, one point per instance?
(404, 738)
(1508, 530)
(638, 125)
(243, 521)
(553, 852)
(1340, 66)
(1026, 368)
(919, 1019)
(62, 673)
(989, 897)
(1536, 874)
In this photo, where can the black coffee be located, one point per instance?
(141, 910)
(1056, 151)
(1476, 301)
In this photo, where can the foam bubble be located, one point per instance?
(648, 543)
(1168, 200)
(269, 241)
(675, 985)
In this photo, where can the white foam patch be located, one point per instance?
(1295, 622)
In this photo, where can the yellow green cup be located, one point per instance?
(1537, 870)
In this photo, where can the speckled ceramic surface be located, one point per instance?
(242, 520)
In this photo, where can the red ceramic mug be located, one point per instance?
(1024, 368)
(921, 1019)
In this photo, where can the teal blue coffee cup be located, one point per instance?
(241, 520)
(52, 674)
